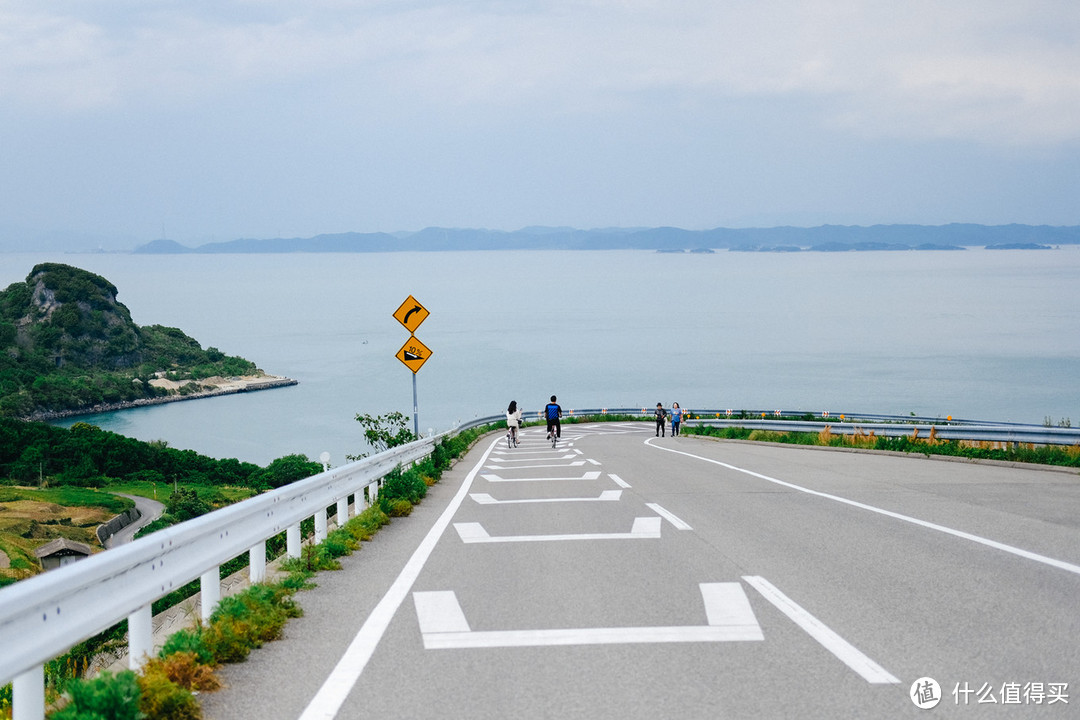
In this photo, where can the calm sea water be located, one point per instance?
(991, 335)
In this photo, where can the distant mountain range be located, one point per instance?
(825, 238)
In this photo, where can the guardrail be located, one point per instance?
(43, 616)
(842, 424)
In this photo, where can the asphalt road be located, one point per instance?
(149, 511)
(627, 576)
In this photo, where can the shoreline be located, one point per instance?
(232, 387)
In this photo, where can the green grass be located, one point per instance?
(164, 490)
(68, 495)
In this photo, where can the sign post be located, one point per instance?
(413, 354)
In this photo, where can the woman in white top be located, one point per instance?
(513, 420)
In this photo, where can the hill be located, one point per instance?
(67, 346)
(825, 238)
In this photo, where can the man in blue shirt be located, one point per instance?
(552, 413)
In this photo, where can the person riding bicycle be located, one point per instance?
(552, 413)
(513, 420)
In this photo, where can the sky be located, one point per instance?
(210, 120)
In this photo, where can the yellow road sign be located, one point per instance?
(414, 354)
(411, 314)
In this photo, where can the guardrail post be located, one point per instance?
(292, 541)
(210, 587)
(342, 511)
(28, 695)
(140, 636)
(257, 563)
(320, 525)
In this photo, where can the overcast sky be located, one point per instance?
(209, 120)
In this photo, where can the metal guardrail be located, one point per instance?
(841, 424)
(43, 616)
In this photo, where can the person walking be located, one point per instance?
(553, 413)
(661, 415)
(513, 420)
(676, 419)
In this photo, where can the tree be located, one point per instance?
(383, 432)
(288, 469)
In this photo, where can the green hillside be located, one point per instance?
(66, 344)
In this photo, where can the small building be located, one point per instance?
(61, 551)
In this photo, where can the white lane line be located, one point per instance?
(838, 646)
(605, 496)
(619, 481)
(727, 609)
(330, 697)
(644, 528)
(491, 477)
(669, 516)
(1020, 552)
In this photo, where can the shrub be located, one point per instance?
(106, 697)
(407, 485)
(162, 699)
(187, 642)
(395, 508)
(367, 523)
(247, 620)
(185, 669)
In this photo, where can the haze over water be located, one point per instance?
(990, 335)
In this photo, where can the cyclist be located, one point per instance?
(513, 420)
(552, 413)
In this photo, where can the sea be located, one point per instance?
(975, 334)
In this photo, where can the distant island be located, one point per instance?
(825, 238)
(67, 347)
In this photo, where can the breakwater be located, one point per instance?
(231, 389)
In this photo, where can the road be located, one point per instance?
(626, 576)
(149, 511)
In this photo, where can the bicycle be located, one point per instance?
(554, 436)
(511, 438)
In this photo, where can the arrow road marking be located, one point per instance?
(730, 619)
(644, 528)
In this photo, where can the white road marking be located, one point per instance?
(644, 528)
(330, 697)
(494, 466)
(730, 619)
(605, 496)
(669, 516)
(1020, 552)
(619, 481)
(838, 646)
(590, 475)
(505, 459)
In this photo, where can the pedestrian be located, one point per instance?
(676, 418)
(661, 415)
